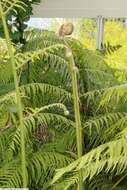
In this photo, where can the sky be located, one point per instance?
(41, 23)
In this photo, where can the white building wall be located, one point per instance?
(81, 8)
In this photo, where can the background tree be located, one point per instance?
(17, 21)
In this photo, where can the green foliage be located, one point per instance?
(108, 48)
(49, 123)
(104, 157)
(17, 14)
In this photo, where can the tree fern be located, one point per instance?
(44, 79)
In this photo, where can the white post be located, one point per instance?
(100, 32)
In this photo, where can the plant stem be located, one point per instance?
(73, 70)
(18, 98)
(118, 182)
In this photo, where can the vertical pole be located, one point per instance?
(100, 32)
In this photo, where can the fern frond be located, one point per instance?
(38, 164)
(103, 128)
(11, 5)
(48, 53)
(108, 49)
(41, 161)
(4, 116)
(10, 175)
(32, 122)
(39, 39)
(5, 73)
(105, 121)
(99, 76)
(5, 66)
(103, 158)
(91, 95)
(33, 89)
(116, 93)
(114, 131)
